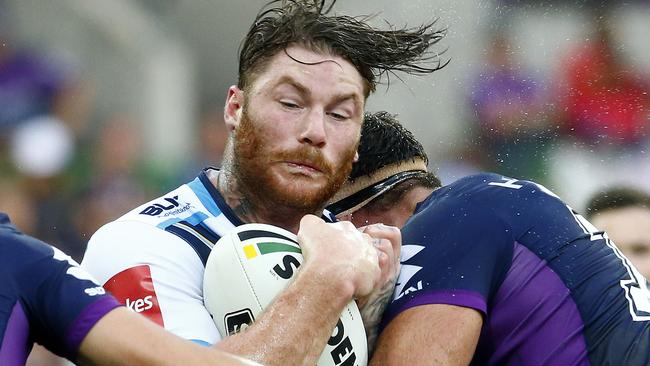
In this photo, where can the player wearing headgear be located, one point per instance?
(45, 297)
(495, 270)
(294, 120)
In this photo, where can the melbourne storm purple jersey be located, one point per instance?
(45, 297)
(553, 290)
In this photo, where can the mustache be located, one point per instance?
(306, 155)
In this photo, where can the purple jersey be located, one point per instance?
(45, 297)
(553, 290)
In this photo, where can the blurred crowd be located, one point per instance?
(577, 131)
(64, 173)
(61, 177)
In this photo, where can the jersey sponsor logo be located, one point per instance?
(407, 271)
(166, 207)
(134, 288)
(95, 291)
(140, 305)
(411, 289)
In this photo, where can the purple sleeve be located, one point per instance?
(454, 255)
(62, 300)
(84, 322)
(467, 299)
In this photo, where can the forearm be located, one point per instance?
(125, 338)
(372, 312)
(294, 329)
(430, 335)
(388, 241)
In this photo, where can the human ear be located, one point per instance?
(233, 108)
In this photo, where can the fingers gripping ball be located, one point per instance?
(248, 267)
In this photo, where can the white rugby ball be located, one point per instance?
(248, 267)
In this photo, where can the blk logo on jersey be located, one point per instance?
(168, 206)
(134, 288)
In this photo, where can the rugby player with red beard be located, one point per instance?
(294, 119)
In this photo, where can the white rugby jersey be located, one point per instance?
(152, 259)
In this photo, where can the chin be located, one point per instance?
(301, 181)
(301, 193)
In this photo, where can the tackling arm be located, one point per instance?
(124, 338)
(430, 335)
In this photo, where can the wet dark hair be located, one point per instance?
(386, 150)
(615, 198)
(373, 52)
(384, 141)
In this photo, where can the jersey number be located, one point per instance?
(636, 288)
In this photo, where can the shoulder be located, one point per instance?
(154, 272)
(123, 244)
(141, 235)
(467, 198)
(478, 184)
(25, 264)
(38, 268)
(193, 203)
(20, 250)
(173, 205)
(467, 211)
(493, 191)
(467, 214)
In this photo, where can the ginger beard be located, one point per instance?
(256, 164)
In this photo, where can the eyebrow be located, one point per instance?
(305, 91)
(294, 83)
(353, 96)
